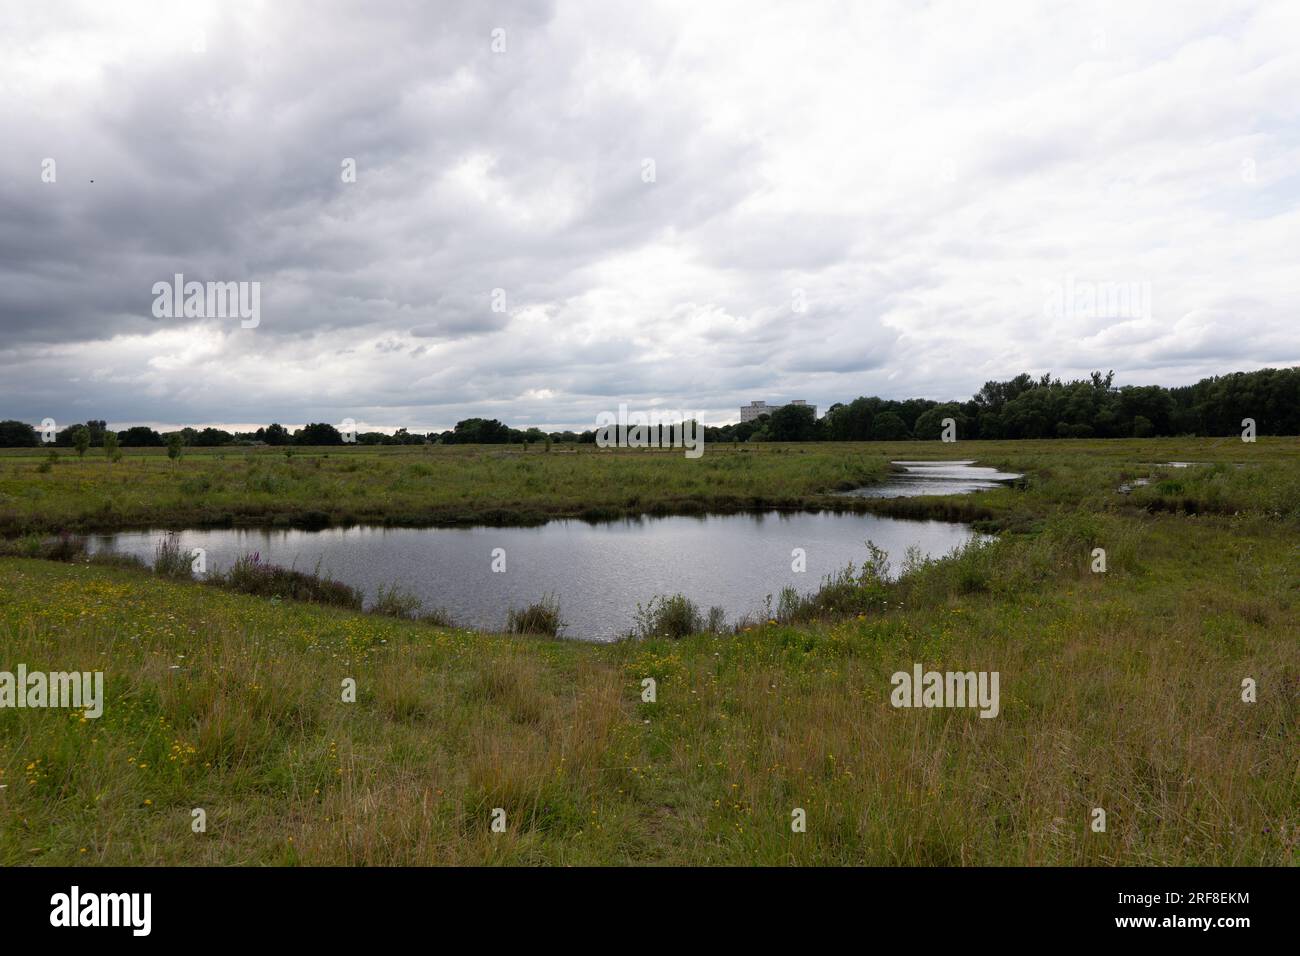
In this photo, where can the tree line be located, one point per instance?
(94, 434)
(1047, 407)
(1021, 407)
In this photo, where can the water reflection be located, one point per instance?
(935, 478)
(599, 572)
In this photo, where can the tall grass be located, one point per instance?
(1119, 690)
(61, 547)
(251, 575)
(541, 617)
(395, 602)
(475, 485)
(676, 616)
(500, 485)
(168, 559)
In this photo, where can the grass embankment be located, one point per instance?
(412, 486)
(510, 484)
(1119, 690)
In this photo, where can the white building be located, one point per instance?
(754, 409)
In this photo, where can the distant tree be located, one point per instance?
(276, 434)
(81, 440)
(989, 424)
(759, 430)
(212, 437)
(97, 429)
(996, 394)
(14, 434)
(175, 445)
(792, 423)
(480, 431)
(1031, 414)
(888, 427)
(110, 446)
(318, 433)
(1151, 402)
(912, 409)
(851, 422)
(403, 437)
(929, 424)
(67, 437)
(140, 436)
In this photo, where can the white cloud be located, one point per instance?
(917, 173)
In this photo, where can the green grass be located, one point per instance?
(509, 484)
(1119, 690)
(414, 486)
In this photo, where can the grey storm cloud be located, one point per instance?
(913, 177)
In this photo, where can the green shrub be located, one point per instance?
(66, 547)
(540, 618)
(676, 616)
(392, 601)
(1073, 530)
(168, 559)
(438, 616)
(251, 575)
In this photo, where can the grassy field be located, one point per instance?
(1120, 690)
(458, 484)
(451, 484)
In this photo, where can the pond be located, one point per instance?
(599, 572)
(935, 478)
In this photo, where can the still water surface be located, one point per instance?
(599, 572)
(935, 478)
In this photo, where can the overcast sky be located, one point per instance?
(846, 198)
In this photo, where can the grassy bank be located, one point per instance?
(1119, 690)
(510, 484)
(413, 486)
